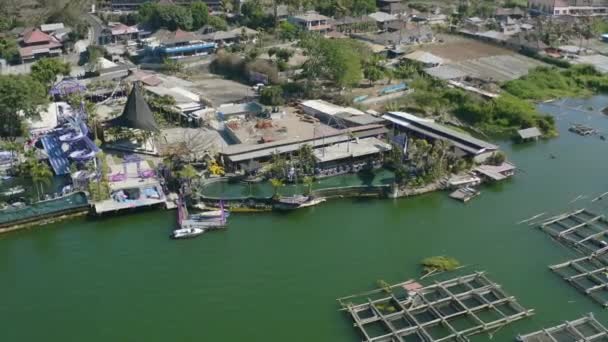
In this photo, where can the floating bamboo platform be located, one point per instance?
(444, 311)
(587, 274)
(586, 328)
(587, 233)
(581, 229)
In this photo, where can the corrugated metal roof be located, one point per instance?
(244, 151)
(436, 131)
(361, 147)
(528, 133)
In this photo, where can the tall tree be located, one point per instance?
(18, 95)
(9, 49)
(46, 70)
(41, 175)
(277, 184)
(373, 69)
(200, 14)
(172, 17)
(254, 16)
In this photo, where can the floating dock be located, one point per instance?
(465, 194)
(586, 328)
(445, 311)
(582, 130)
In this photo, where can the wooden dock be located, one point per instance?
(465, 194)
(586, 328)
(450, 310)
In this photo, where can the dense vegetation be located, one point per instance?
(502, 115)
(21, 95)
(236, 67)
(172, 17)
(548, 83)
(439, 263)
(340, 61)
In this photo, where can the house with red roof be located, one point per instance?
(35, 44)
(119, 33)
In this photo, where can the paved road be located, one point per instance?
(96, 26)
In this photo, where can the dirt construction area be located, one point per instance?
(457, 49)
(481, 60)
(217, 90)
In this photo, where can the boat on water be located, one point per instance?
(210, 214)
(186, 233)
(13, 191)
(312, 202)
(296, 202)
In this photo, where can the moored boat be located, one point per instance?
(297, 201)
(13, 191)
(186, 233)
(312, 202)
(210, 214)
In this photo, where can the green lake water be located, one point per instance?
(275, 276)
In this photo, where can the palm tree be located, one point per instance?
(188, 173)
(276, 185)
(227, 6)
(91, 111)
(41, 175)
(308, 181)
(13, 147)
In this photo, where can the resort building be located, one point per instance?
(35, 44)
(570, 7)
(119, 33)
(383, 19)
(463, 144)
(495, 172)
(238, 157)
(133, 184)
(178, 44)
(224, 38)
(312, 21)
(350, 156)
(338, 116)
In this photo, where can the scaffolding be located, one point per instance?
(450, 310)
(586, 328)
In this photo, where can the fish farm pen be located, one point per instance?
(450, 310)
(581, 229)
(586, 328)
(585, 232)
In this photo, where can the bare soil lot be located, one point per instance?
(218, 90)
(457, 49)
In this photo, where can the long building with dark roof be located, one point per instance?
(468, 145)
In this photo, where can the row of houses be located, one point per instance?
(570, 7)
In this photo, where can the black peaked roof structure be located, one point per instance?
(137, 113)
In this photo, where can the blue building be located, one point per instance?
(178, 44)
